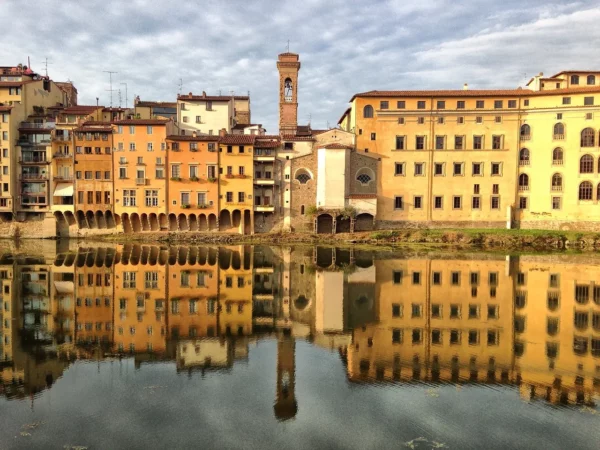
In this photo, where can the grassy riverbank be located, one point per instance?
(489, 239)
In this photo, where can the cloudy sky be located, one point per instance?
(345, 46)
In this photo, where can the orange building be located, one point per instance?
(140, 301)
(93, 305)
(193, 182)
(140, 184)
(94, 175)
(193, 294)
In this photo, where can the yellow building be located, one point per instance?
(491, 158)
(236, 186)
(235, 290)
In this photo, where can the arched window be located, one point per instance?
(591, 79)
(557, 156)
(597, 194)
(302, 175)
(523, 182)
(586, 164)
(557, 182)
(363, 178)
(524, 157)
(559, 131)
(574, 79)
(525, 132)
(287, 90)
(368, 112)
(585, 191)
(588, 137)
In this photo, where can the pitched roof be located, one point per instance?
(362, 196)
(96, 123)
(81, 109)
(476, 93)
(141, 122)
(292, 137)
(344, 115)
(85, 128)
(157, 104)
(575, 71)
(336, 146)
(247, 139)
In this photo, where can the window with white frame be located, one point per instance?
(151, 197)
(129, 196)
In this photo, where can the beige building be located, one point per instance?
(208, 114)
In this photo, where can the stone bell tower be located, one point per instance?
(288, 65)
(285, 406)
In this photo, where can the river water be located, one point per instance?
(130, 346)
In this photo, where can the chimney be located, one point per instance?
(541, 74)
(465, 87)
(194, 134)
(203, 93)
(190, 94)
(137, 99)
(222, 132)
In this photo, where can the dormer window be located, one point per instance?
(574, 79)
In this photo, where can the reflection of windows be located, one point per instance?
(129, 279)
(552, 326)
(396, 310)
(582, 294)
(553, 300)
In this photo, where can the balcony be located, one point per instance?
(266, 181)
(523, 188)
(34, 176)
(141, 181)
(524, 162)
(264, 208)
(27, 143)
(37, 126)
(62, 156)
(525, 137)
(33, 160)
(264, 158)
(559, 137)
(59, 177)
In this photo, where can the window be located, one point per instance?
(591, 79)
(151, 197)
(175, 171)
(384, 104)
(421, 104)
(460, 104)
(129, 197)
(457, 202)
(497, 142)
(193, 171)
(396, 310)
(557, 156)
(498, 104)
(496, 168)
(398, 202)
(373, 136)
(522, 202)
(107, 175)
(512, 103)
(473, 311)
(498, 119)
(588, 137)
(458, 142)
(132, 146)
(574, 79)
(588, 101)
(400, 140)
(229, 197)
(396, 336)
(397, 277)
(460, 120)
(585, 191)
(368, 112)
(438, 202)
(479, 119)
(479, 104)
(418, 202)
(457, 169)
(438, 169)
(201, 198)
(586, 164)
(495, 202)
(88, 174)
(416, 310)
(436, 279)
(476, 203)
(419, 169)
(302, 176)
(525, 132)
(420, 142)
(441, 104)
(524, 157)
(400, 120)
(241, 197)
(416, 278)
(477, 169)
(399, 169)
(556, 203)
(523, 182)
(476, 189)
(401, 104)
(440, 142)
(477, 142)
(557, 183)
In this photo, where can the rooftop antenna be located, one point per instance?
(110, 74)
(126, 96)
(288, 46)
(119, 98)
(180, 85)
(219, 92)
(45, 65)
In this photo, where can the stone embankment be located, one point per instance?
(491, 239)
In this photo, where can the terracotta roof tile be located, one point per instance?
(211, 98)
(96, 123)
(291, 137)
(477, 93)
(158, 104)
(81, 109)
(94, 129)
(141, 122)
(5, 108)
(241, 139)
(362, 196)
(337, 146)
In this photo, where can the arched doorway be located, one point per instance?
(136, 225)
(325, 224)
(342, 224)
(202, 223)
(225, 220)
(212, 222)
(193, 222)
(364, 222)
(172, 222)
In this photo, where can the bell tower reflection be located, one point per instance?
(285, 404)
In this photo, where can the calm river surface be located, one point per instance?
(128, 346)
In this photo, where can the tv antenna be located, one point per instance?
(180, 85)
(46, 63)
(110, 74)
(126, 96)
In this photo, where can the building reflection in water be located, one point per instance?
(528, 321)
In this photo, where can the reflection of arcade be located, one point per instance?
(395, 320)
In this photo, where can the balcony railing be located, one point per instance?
(33, 160)
(524, 162)
(60, 177)
(523, 188)
(557, 162)
(557, 188)
(140, 181)
(38, 126)
(525, 137)
(33, 176)
(559, 137)
(63, 155)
